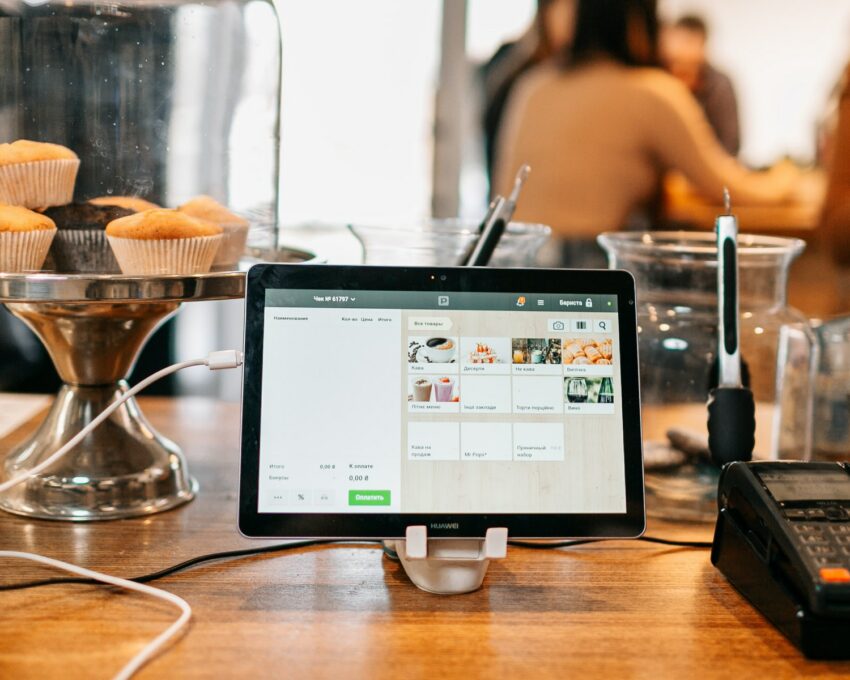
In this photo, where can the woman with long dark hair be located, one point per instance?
(602, 127)
(545, 37)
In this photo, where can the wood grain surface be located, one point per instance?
(613, 609)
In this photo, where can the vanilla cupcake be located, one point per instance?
(235, 229)
(163, 241)
(36, 174)
(133, 203)
(25, 238)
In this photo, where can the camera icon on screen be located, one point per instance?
(558, 326)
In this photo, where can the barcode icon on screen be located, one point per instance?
(581, 325)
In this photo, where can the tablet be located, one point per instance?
(376, 398)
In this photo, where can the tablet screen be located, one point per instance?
(451, 402)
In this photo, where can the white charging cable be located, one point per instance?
(150, 650)
(230, 358)
(214, 361)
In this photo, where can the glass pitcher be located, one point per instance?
(676, 278)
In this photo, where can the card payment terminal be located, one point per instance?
(783, 540)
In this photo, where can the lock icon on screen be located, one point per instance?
(588, 303)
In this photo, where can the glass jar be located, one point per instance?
(160, 99)
(831, 435)
(676, 279)
(445, 242)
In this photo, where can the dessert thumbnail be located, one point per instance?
(588, 352)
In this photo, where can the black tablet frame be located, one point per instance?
(438, 279)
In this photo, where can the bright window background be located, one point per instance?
(357, 109)
(358, 101)
(489, 23)
(784, 57)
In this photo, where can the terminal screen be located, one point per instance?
(415, 402)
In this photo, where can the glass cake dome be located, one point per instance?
(163, 100)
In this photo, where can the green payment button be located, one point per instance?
(364, 497)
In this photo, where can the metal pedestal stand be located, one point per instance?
(448, 566)
(94, 326)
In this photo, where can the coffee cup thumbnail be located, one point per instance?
(440, 350)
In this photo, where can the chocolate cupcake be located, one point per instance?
(134, 203)
(80, 245)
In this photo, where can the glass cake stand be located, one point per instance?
(94, 327)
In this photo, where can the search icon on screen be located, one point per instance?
(603, 325)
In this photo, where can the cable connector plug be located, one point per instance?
(226, 358)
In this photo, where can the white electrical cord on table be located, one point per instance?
(214, 361)
(154, 645)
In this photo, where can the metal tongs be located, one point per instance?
(495, 223)
(731, 408)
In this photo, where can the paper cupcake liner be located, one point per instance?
(232, 246)
(22, 251)
(38, 184)
(193, 255)
(82, 251)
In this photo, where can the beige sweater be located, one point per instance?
(600, 137)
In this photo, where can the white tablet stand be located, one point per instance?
(448, 566)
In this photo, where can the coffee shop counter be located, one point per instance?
(611, 609)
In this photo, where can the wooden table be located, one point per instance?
(614, 609)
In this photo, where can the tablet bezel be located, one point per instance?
(263, 277)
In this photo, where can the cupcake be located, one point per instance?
(37, 175)
(25, 238)
(80, 245)
(133, 203)
(163, 242)
(235, 229)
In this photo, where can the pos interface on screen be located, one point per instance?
(413, 402)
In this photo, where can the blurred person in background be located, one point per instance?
(683, 52)
(546, 37)
(602, 127)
